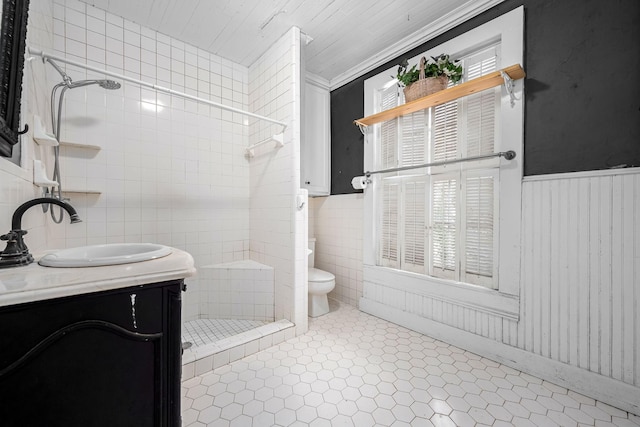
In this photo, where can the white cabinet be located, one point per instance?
(315, 149)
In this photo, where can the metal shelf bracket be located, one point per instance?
(510, 85)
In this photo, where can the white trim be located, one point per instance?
(475, 297)
(582, 174)
(428, 32)
(613, 392)
(317, 80)
(18, 171)
(509, 29)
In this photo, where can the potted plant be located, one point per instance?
(430, 78)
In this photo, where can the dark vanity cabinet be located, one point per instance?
(102, 359)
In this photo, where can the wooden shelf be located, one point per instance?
(464, 89)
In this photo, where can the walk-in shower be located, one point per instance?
(236, 314)
(229, 309)
(56, 119)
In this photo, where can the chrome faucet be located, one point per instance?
(16, 253)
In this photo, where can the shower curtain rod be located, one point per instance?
(509, 155)
(45, 56)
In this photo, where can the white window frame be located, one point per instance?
(509, 30)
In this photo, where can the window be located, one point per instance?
(453, 223)
(440, 221)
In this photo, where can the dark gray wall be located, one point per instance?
(582, 90)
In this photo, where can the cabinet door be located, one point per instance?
(316, 143)
(94, 360)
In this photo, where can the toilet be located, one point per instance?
(320, 284)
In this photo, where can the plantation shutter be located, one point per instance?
(389, 129)
(389, 226)
(481, 107)
(413, 149)
(443, 227)
(388, 98)
(413, 138)
(414, 226)
(442, 221)
(479, 203)
(445, 131)
(479, 234)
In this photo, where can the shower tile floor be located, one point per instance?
(353, 369)
(200, 332)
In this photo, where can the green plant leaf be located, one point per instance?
(436, 66)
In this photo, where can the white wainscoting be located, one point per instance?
(579, 289)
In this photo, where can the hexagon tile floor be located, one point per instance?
(353, 369)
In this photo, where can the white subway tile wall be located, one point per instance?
(169, 170)
(16, 182)
(276, 225)
(337, 227)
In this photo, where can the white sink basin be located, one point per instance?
(109, 254)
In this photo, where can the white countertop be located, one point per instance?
(34, 282)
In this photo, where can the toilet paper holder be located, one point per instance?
(360, 182)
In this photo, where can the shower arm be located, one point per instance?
(64, 75)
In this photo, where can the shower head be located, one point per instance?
(70, 84)
(105, 84)
(109, 84)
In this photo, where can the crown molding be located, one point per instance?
(428, 32)
(317, 80)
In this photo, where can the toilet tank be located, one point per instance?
(312, 254)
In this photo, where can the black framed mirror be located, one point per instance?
(12, 46)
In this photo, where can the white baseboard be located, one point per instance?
(610, 391)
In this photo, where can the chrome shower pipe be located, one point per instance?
(105, 84)
(70, 84)
(64, 75)
(56, 119)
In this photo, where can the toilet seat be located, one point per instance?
(316, 275)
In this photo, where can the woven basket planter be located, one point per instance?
(424, 85)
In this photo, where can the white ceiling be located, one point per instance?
(347, 34)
